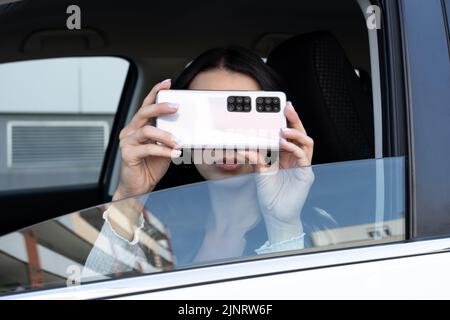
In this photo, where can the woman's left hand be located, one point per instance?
(296, 146)
(283, 186)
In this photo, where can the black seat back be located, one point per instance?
(328, 95)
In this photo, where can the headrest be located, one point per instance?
(335, 108)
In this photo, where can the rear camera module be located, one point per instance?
(239, 104)
(268, 104)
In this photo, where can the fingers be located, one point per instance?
(146, 112)
(256, 158)
(151, 134)
(295, 137)
(302, 157)
(132, 155)
(298, 137)
(293, 119)
(149, 109)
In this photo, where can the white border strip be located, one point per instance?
(376, 84)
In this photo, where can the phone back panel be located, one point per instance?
(225, 119)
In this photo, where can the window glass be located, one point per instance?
(55, 119)
(306, 210)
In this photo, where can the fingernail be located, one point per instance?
(283, 140)
(289, 104)
(166, 81)
(173, 105)
(176, 153)
(286, 129)
(178, 141)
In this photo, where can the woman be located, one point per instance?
(146, 153)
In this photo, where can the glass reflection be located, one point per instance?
(296, 210)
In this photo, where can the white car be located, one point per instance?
(370, 80)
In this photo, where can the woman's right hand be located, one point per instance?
(144, 162)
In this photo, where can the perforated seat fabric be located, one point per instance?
(329, 97)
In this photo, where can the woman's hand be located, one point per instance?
(283, 186)
(144, 162)
(296, 146)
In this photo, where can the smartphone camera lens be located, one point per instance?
(239, 104)
(268, 104)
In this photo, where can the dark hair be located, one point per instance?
(232, 58)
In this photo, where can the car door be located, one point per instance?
(398, 217)
(80, 256)
(417, 269)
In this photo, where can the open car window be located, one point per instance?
(337, 206)
(57, 135)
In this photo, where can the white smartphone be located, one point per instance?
(225, 119)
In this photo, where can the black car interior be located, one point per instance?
(328, 94)
(315, 46)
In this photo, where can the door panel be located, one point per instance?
(385, 279)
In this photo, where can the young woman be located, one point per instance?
(236, 206)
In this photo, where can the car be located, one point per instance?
(369, 79)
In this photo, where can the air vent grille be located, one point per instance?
(71, 144)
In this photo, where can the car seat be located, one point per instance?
(332, 101)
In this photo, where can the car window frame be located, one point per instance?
(129, 92)
(425, 101)
(446, 15)
(392, 149)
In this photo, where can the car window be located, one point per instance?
(447, 17)
(55, 119)
(342, 205)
